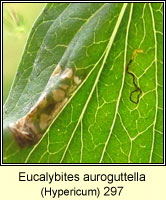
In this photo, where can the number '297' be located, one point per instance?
(113, 191)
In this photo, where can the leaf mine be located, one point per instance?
(29, 129)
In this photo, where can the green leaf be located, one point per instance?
(99, 123)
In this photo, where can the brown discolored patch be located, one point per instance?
(64, 86)
(43, 102)
(30, 127)
(44, 121)
(20, 123)
(58, 95)
(23, 133)
(67, 73)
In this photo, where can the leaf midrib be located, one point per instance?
(156, 81)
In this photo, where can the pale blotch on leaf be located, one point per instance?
(64, 86)
(56, 71)
(43, 121)
(67, 73)
(77, 81)
(58, 95)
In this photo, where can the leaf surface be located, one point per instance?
(99, 123)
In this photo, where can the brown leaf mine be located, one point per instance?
(24, 133)
(29, 129)
(137, 88)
